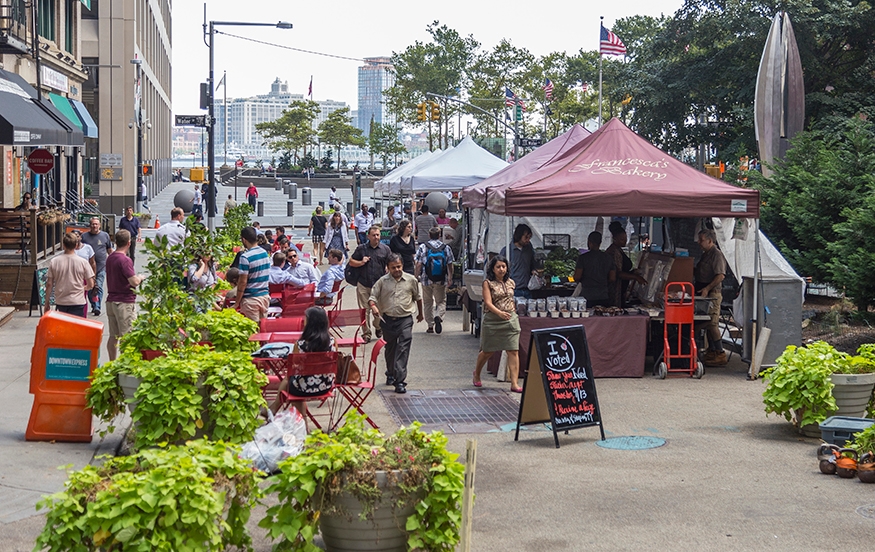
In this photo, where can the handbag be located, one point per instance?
(348, 372)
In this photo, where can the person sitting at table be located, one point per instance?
(332, 275)
(277, 275)
(231, 277)
(595, 273)
(314, 339)
(622, 265)
(26, 202)
(202, 272)
(302, 273)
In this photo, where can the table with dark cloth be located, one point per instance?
(616, 343)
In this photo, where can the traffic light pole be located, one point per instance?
(514, 129)
(138, 194)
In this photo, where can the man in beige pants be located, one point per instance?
(434, 268)
(371, 259)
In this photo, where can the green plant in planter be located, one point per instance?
(348, 461)
(190, 392)
(863, 441)
(227, 330)
(184, 498)
(799, 385)
(234, 221)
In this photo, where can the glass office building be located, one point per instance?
(374, 77)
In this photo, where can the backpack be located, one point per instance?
(351, 273)
(436, 263)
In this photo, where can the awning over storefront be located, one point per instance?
(66, 108)
(23, 122)
(89, 127)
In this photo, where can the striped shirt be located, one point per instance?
(256, 265)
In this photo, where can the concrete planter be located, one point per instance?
(852, 393)
(384, 532)
(129, 385)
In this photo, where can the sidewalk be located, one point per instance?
(728, 477)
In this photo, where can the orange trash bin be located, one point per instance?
(63, 356)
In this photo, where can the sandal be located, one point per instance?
(477, 383)
(516, 389)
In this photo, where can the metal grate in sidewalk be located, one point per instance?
(456, 410)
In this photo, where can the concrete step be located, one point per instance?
(6, 314)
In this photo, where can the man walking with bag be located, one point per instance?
(434, 268)
(370, 260)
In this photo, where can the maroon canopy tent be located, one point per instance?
(616, 172)
(475, 196)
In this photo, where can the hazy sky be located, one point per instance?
(365, 29)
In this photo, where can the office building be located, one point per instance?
(374, 78)
(245, 113)
(113, 34)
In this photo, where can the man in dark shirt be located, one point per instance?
(132, 225)
(709, 274)
(371, 258)
(423, 224)
(102, 246)
(522, 260)
(595, 272)
(121, 279)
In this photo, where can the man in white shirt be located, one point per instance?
(85, 251)
(277, 275)
(174, 230)
(363, 220)
(197, 207)
(332, 196)
(301, 273)
(333, 274)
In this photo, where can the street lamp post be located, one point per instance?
(138, 115)
(210, 29)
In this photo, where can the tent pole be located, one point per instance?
(753, 369)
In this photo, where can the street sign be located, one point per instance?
(41, 161)
(529, 142)
(110, 173)
(191, 120)
(110, 160)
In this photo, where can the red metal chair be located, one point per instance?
(301, 301)
(338, 319)
(290, 324)
(357, 393)
(296, 365)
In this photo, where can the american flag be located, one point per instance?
(611, 44)
(509, 98)
(548, 89)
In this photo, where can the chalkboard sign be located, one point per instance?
(559, 387)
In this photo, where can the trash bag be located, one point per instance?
(274, 350)
(277, 440)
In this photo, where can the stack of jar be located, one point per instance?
(552, 307)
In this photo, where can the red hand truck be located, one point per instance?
(679, 353)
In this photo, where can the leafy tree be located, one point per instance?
(337, 130)
(308, 161)
(293, 130)
(818, 207)
(437, 67)
(383, 142)
(327, 161)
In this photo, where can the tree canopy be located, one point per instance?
(293, 130)
(337, 130)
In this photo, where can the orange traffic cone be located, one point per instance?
(157, 222)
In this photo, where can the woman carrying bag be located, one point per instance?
(500, 328)
(337, 235)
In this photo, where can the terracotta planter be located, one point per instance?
(852, 393)
(385, 532)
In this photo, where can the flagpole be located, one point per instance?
(225, 88)
(601, 24)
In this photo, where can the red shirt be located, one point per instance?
(119, 267)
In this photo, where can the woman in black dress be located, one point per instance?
(403, 244)
(317, 230)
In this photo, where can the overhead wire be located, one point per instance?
(289, 47)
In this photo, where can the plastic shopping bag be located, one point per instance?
(277, 440)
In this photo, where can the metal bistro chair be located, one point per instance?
(286, 324)
(355, 394)
(298, 365)
(295, 303)
(349, 318)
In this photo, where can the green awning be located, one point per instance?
(87, 3)
(65, 107)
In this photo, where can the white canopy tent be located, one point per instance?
(384, 184)
(465, 165)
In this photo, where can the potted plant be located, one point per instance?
(359, 484)
(190, 392)
(810, 383)
(185, 498)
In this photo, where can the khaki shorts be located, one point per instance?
(121, 317)
(254, 308)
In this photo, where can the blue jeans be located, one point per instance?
(522, 292)
(363, 237)
(95, 296)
